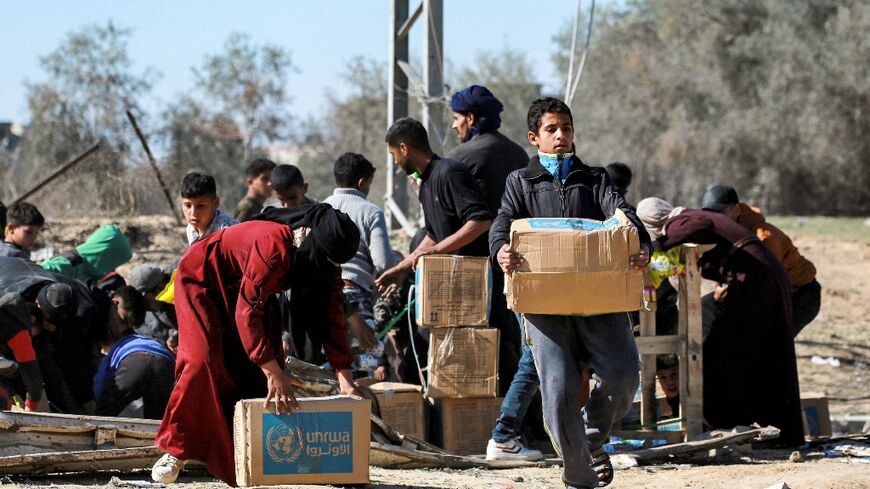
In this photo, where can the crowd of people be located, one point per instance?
(319, 281)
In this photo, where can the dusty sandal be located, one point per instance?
(602, 467)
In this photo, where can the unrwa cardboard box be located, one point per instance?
(452, 291)
(574, 266)
(463, 362)
(325, 442)
(466, 424)
(401, 407)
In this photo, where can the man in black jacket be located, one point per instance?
(489, 154)
(457, 218)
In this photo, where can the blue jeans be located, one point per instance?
(518, 397)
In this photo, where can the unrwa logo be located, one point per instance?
(284, 444)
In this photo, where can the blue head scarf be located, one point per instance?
(483, 104)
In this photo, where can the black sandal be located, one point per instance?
(602, 467)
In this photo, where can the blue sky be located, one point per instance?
(173, 36)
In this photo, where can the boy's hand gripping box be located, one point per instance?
(574, 266)
(325, 442)
(452, 291)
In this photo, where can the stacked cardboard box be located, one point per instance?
(452, 291)
(453, 298)
(401, 407)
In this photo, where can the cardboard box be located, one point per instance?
(452, 291)
(325, 442)
(466, 424)
(463, 362)
(574, 266)
(401, 407)
(816, 417)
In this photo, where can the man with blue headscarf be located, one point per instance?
(488, 153)
(491, 156)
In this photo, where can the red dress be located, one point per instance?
(228, 326)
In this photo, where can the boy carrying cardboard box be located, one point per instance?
(557, 184)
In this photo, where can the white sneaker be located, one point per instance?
(511, 450)
(166, 469)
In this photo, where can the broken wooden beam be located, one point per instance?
(60, 171)
(28, 433)
(666, 451)
(393, 457)
(122, 459)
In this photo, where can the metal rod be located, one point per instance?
(573, 53)
(585, 51)
(403, 31)
(66, 166)
(154, 167)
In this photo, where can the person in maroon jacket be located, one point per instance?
(750, 371)
(230, 334)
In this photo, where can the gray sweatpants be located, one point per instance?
(562, 346)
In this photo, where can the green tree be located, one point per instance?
(90, 82)
(198, 140)
(768, 96)
(247, 84)
(508, 75)
(354, 123)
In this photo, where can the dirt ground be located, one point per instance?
(840, 249)
(736, 473)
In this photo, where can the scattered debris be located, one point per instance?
(623, 461)
(115, 481)
(832, 361)
(779, 485)
(796, 457)
(724, 438)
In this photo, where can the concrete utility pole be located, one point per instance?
(433, 72)
(429, 89)
(396, 199)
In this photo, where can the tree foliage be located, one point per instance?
(770, 97)
(354, 123)
(90, 83)
(247, 84)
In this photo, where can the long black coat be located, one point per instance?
(750, 372)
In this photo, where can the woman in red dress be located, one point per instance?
(229, 334)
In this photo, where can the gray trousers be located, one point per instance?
(562, 346)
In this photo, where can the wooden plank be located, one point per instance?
(667, 451)
(691, 364)
(21, 443)
(68, 423)
(647, 367)
(124, 459)
(393, 457)
(670, 436)
(650, 346)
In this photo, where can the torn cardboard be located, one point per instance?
(401, 407)
(463, 362)
(574, 266)
(452, 291)
(325, 442)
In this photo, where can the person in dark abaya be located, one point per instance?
(230, 333)
(750, 372)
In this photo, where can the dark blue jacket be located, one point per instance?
(534, 192)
